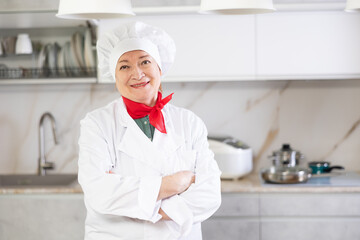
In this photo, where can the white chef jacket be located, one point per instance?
(124, 205)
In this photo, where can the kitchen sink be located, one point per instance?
(28, 180)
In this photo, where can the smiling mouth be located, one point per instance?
(139, 85)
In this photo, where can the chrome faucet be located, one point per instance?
(43, 164)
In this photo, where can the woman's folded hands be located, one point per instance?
(174, 184)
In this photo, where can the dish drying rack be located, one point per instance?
(36, 73)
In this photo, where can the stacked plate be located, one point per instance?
(75, 58)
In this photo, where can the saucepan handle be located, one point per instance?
(329, 169)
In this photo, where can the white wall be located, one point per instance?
(319, 118)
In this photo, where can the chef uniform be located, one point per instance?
(121, 165)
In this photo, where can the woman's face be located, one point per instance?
(138, 77)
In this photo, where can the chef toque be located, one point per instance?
(134, 36)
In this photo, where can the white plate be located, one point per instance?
(79, 49)
(51, 58)
(56, 50)
(67, 63)
(64, 50)
(72, 56)
(60, 65)
(42, 57)
(88, 52)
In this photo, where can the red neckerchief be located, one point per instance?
(139, 110)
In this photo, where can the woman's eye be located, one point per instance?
(146, 62)
(123, 67)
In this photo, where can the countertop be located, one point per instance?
(253, 184)
(74, 188)
(249, 184)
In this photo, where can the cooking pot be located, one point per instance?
(319, 167)
(286, 174)
(286, 157)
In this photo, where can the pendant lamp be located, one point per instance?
(352, 6)
(94, 9)
(236, 6)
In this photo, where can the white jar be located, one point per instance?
(23, 44)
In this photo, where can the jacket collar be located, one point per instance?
(135, 143)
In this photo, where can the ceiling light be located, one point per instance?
(352, 6)
(94, 9)
(236, 6)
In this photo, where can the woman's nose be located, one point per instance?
(137, 73)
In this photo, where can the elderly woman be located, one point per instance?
(144, 165)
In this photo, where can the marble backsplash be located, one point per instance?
(319, 118)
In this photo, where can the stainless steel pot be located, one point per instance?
(286, 157)
(285, 174)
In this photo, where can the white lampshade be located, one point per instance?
(352, 6)
(236, 6)
(94, 9)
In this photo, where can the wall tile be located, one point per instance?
(319, 118)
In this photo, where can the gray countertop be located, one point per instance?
(249, 184)
(253, 184)
(74, 188)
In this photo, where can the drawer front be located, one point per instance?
(310, 229)
(239, 205)
(54, 216)
(230, 228)
(310, 205)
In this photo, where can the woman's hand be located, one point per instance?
(175, 184)
(182, 180)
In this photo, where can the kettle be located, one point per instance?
(286, 157)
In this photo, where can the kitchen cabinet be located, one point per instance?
(310, 216)
(293, 45)
(237, 218)
(45, 28)
(281, 216)
(246, 215)
(209, 47)
(308, 45)
(42, 216)
(277, 46)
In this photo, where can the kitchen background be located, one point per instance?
(318, 117)
(293, 77)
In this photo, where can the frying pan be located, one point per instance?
(286, 174)
(319, 167)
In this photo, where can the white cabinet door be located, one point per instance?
(310, 229)
(310, 216)
(209, 47)
(310, 205)
(42, 216)
(213, 47)
(231, 228)
(308, 45)
(237, 218)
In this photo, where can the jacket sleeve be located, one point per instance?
(130, 196)
(202, 198)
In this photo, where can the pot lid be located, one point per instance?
(285, 150)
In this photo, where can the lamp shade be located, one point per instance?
(94, 9)
(236, 6)
(352, 6)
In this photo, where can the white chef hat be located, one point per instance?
(134, 36)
